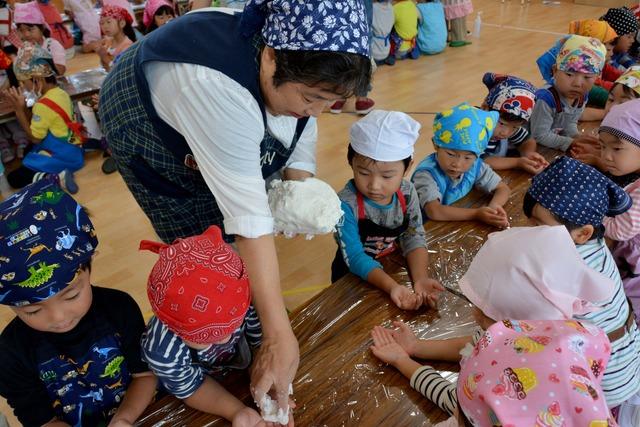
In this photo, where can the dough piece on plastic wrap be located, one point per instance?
(306, 207)
(271, 413)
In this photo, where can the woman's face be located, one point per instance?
(162, 18)
(111, 26)
(291, 99)
(30, 33)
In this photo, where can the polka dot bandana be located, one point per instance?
(622, 20)
(464, 127)
(321, 25)
(536, 373)
(198, 287)
(578, 193)
(508, 94)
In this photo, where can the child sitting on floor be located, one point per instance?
(115, 24)
(514, 99)
(625, 24)
(380, 207)
(48, 125)
(456, 12)
(203, 325)
(554, 121)
(405, 30)
(156, 14)
(577, 196)
(620, 139)
(71, 356)
(381, 28)
(460, 137)
(504, 281)
(33, 29)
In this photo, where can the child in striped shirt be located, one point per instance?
(620, 152)
(203, 325)
(579, 197)
(503, 282)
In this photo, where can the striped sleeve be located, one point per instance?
(519, 136)
(253, 328)
(170, 360)
(428, 382)
(627, 225)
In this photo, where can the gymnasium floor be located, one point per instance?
(512, 37)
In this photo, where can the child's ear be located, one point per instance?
(583, 234)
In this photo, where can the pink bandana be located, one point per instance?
(199, 287)
(536, 373)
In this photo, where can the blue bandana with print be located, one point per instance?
(578, 193)
(464, 128)
(45, 236)
(321, 25)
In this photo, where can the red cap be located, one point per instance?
(199, 287)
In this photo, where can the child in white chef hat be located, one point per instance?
(382, 209)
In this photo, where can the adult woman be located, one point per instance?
(207, 107)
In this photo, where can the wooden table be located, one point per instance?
(79, 86)
(339, 382)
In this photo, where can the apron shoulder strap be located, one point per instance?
(75, 127)
(402, 200)
(360, 201)
(556, 98)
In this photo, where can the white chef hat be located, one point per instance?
(385, 136)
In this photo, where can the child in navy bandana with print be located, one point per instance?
(72, 354)
(579, 197)
(554, 121)
(514, 99)
(460, 138)
(203, 325)
(382, 209)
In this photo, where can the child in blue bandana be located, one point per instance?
(382, 209)
(579, 197)
(460, 137)
(71, 356)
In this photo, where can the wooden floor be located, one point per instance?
(512, 37)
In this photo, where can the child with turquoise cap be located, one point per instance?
(460, 137)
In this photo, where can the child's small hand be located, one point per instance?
(385, 347)
(405, 298)
(529, 165)
(15, 98)
(247, 417)
(540, 162)
(578, 148)
(494, 216)
(428, 289)
(405, 337)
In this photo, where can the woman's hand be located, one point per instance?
(274, 369)
(247, 417)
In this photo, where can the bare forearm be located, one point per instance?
(406, 366)
(381, 280)
(261, 261)
(448, 350)
(56, 423)
(500, 195)
(199, 4)
(502, 163)
(439, 212)
(296, 174)
(139, 395)
(418, 262)
(212, 398)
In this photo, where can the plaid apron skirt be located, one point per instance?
(174, 197)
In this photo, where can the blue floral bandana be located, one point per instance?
(464, 127)
(321, 25)
(578, 193)
(45, 236)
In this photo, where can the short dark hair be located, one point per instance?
(343, 73)
(510, 117)
(529, 202)
(129, 32)
(45, 30)
(351, 153)
(627, 90)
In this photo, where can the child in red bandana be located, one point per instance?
(117, 31)
(204, 324)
